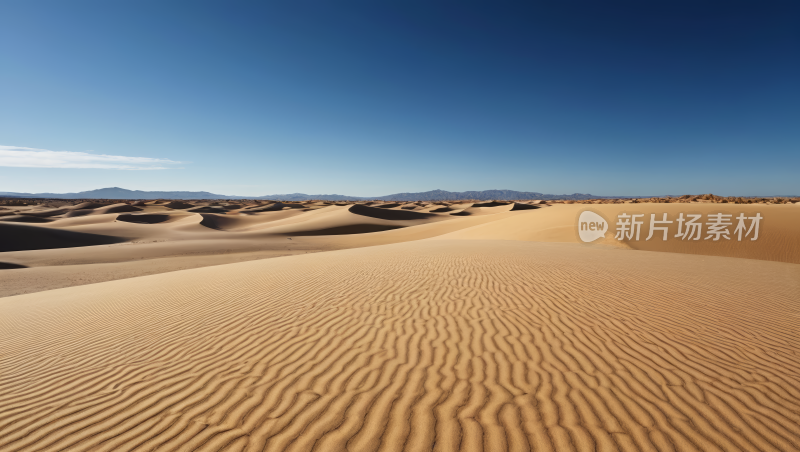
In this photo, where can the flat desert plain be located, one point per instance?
(394, 326)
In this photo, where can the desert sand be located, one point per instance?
(393, 326)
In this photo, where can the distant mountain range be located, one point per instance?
(121, 193)
(433, 195)
(485, 195)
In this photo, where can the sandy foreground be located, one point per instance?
(489, 330)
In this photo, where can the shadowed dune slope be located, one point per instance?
(246, 222)
(24, 219)
(438, 209)
(266, 208)
(78, 213)
(523, 206)
(349, 229)
(273, 207)
(94, 205)
(435, 345)
(116, 208)
(18, 237)
(143, 219)
(70, 212)
(492, 208)
(47, 213)
(80, 220)
(340, 220)
(491, 204)
(179, 205)
(388, 214)
(151, 218)
(207, 209)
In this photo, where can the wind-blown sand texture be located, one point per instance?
(463, 332)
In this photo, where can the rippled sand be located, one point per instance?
(424, 345)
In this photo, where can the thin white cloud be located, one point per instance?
(21, 157)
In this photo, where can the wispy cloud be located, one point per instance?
(21, 157)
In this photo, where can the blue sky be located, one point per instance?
(371, 98)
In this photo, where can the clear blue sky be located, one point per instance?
(376, 97)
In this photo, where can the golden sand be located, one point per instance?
(471, 332)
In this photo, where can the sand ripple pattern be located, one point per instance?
(432, 345)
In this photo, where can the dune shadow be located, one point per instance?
(519, 206)
(24, 219)
(23, 237)
(348, 230)
(116, 208)
(179, 205)
(78, 213)
(46, 213)
(491, 204)
(207, 209)
(274, 207)
(143, 219)
(384, 214)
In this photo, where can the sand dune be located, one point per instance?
(126, 263)
(78, 213)
(178, 205)
(779, 239)
(24, 219)
(246, 223)
(525, 206)
(429, 345)
(116, 208)
(344, 221)
(484, 209)
(208, 209)
(150, 218)
(389, 214)
(394, 326)
(17, 237)
(491, 204)
(186, 243)
(95, 205)
(68, 221)
(288, 228)
(437, 209)
(273, 207)
(47, 213)
(33, 216)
